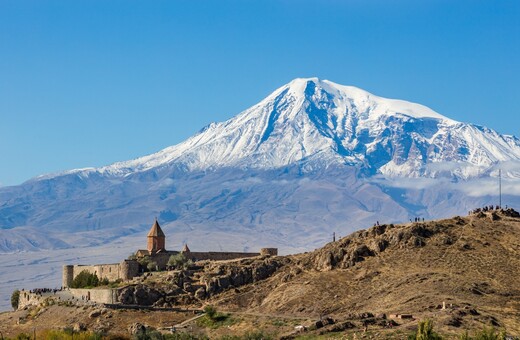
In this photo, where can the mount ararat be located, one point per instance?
(312, 158)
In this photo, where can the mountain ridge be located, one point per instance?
(314, 156)
(311, 118)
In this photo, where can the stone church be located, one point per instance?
(156, 252)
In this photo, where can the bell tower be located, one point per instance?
(156, 238)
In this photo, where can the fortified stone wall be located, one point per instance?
(129, 269)
(125, 270)
(217, 255)
(105, 295)
(27, 299)
(269, 251)
(110, 271)
(162, 258)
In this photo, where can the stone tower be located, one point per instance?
(68, 275)
(156, 238)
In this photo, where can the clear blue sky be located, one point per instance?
(88, 83)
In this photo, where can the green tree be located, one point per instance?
(179, 261)
(144, 261)
(151, 266)
(425, 332)
(210, 311)
(485, 334)
(85, 279)
(15, 299)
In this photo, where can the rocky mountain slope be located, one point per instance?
(469, 263)
(460, 272)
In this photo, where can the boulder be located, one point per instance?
(200, 293)
(95, 313)
(79, 327)
(136, 328)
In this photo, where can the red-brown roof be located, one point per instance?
(156, 230)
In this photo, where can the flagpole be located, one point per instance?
(500, 188)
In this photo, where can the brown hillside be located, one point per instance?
(470, 263)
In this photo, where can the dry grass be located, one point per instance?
(472, 264)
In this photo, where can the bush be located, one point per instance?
(485, 334)
(144, 261)
(15, 299)
(151, 266)
(214, 319)
(179, 261)
(256, 335)
(84, 280)
(148, 334)
(210, 311)
(425, 332)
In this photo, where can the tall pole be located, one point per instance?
(500, 188)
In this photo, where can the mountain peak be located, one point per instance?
(322, 123)
(314, 86)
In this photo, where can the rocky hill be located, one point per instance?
(471, 264)
(461, 272)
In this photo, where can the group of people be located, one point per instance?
(417, 219)
(40, 291)
(486, 209)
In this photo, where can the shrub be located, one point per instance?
(214, 319)
(85, 279)
(148, 334)
(184, 336)
(485, 334)
(151, 266)
(143, 261)
(179, 261)
(15, 299)
(256, 335)
(425, 332)
(210, 311)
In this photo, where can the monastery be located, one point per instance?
(156, 251)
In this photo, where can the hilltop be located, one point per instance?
(469, 264)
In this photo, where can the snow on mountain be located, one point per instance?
(312, 158)
(321, 123)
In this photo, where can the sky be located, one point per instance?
(89, 83)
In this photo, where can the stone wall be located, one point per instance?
(269, 251)
(129, 269)
(162, 258)
(111, 272)
(104, 295)
(125, 270)
(217, 255)
(27, 299)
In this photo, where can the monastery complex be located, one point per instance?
(156, 251)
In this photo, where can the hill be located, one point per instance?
(468, 264)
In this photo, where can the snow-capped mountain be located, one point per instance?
(321, 123)
(311, 158)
